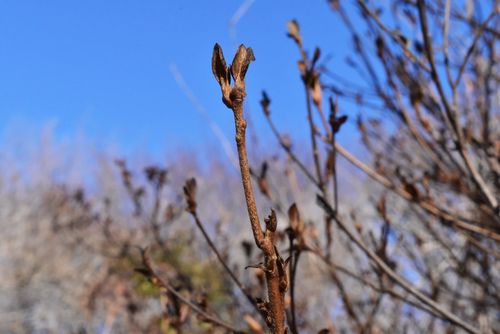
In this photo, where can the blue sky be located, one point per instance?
(103, 68)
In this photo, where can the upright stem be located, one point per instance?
(273, 310)
(240, 125)
(293, 272)
(276, 305)
(314, 143)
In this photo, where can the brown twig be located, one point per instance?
(274, 267)
(190, 193)
(471, 48)
(373, 286)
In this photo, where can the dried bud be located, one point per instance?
(410, 189)
(242, 59)
(150, 172)
(221, 73)
(282, 272)
(263, 169)
(419, 47)
(317, 54)
(416, 94)
(336, 123)
(232, 96)
(190, 193)
(380, 45)
(247, 248)
(271, 221)
(295, 221)
(294, 31)
(265, 102)
(402, 38)
(262, 180)
(409, 15)
(219, 67)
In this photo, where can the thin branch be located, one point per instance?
(293, 279)
(392, 293)
(445, 43)
(223, 262)
(395, 35)
(156, 279)
(472, 47)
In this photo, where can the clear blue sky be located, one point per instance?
(103, 67)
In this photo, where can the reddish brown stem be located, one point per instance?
(276, 306)
(233, 96)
